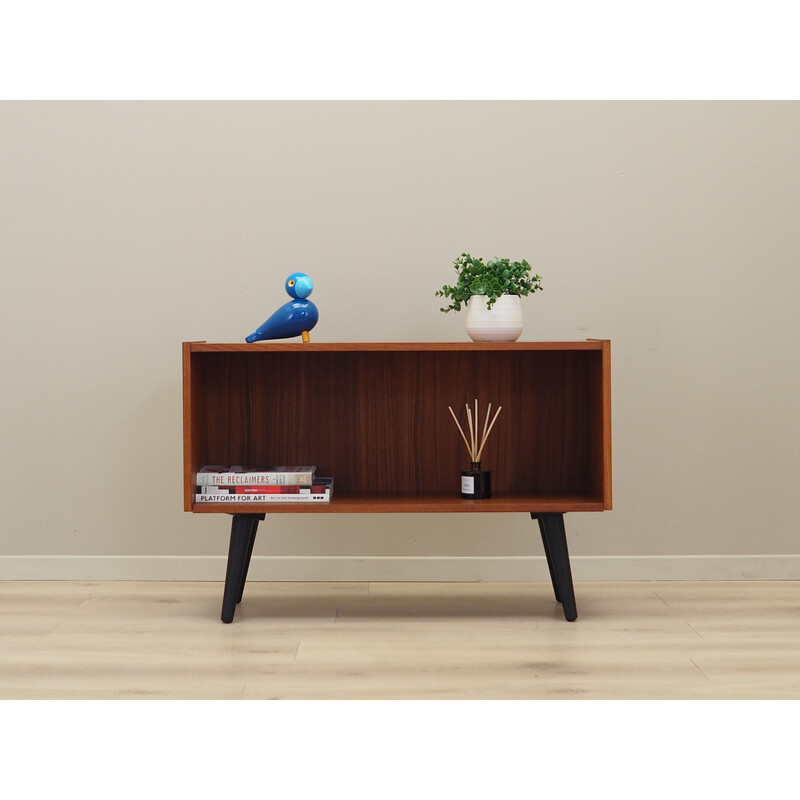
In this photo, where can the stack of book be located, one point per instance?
(222, 484)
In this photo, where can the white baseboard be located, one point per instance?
(387, 568)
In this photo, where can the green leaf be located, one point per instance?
(493, 279)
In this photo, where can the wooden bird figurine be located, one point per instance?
(295, 318)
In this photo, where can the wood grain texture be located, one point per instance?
(426, 503)
(637, 640)
(375, 417)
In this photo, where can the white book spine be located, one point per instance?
(255, 478)
(263, 498)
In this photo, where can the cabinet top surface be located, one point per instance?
(233, 347)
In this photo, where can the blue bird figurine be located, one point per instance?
(295, 318)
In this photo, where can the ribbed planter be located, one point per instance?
(500, 323)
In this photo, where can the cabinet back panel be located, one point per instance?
(378, 421)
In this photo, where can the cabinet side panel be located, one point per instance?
(187, 427)
(606, 400)
(194, 421)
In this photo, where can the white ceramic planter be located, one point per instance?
(501, 323)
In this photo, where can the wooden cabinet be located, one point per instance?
(374, 416)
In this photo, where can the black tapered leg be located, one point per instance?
(241, 547)
(549, 558)
(555, 537)
(254, 520)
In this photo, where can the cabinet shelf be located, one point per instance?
(414, 502)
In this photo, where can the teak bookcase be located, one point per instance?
(375, 418)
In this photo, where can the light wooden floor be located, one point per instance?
(638, 640)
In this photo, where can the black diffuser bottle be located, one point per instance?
(476, 483)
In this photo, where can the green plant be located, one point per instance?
(493, 279)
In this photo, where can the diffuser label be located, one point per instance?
(467, 484)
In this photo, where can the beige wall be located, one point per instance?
(671, 228)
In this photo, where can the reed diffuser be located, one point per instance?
(476, 483)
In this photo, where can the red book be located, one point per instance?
(269, 489)
(316, 488)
